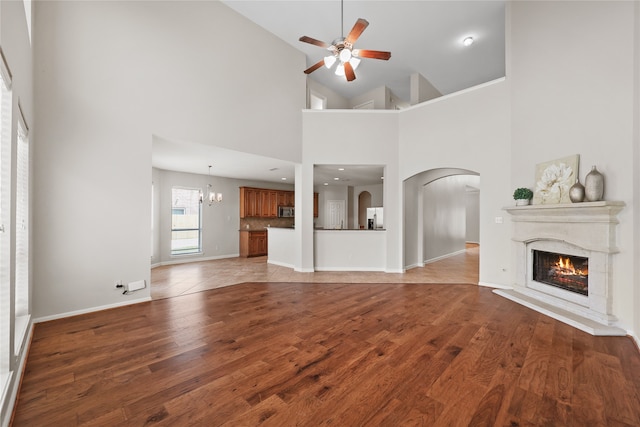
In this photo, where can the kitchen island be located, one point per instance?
(350, 250)
(282, 247)
(334, 250)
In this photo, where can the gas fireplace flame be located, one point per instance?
(565, 267)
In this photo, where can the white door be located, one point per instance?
(335, 214)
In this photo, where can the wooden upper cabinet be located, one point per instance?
(289, 198)
(250, 202)
(268, 203)
(262, 202)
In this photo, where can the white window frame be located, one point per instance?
(6, 302)
(199, 229)
(22, 303)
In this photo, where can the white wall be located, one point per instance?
(467, 130)
(422, 90)
(445, 215)
(367, 137)
(472, 209)
(109, 76)
(334, 100)
(572, 72)
(379, 96)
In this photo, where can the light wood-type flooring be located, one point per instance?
(303, 353)
(180, 279)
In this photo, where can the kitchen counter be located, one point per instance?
(281, 248)
(350, 250)
(349, 229)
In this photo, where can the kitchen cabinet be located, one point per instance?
(269, 203)
(253, 243)
(315, 205)
(289, 198)
(250, 202)
(263, 203)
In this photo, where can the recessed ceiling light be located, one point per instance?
(326, 183)
(336, 179)
(468, 41)
(340, 169)
(283, 178)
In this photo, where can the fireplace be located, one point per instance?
(563, 262)
(563, 271)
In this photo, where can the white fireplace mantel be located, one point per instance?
(588, 228)
(590, 225)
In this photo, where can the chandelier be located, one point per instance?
(212, 196)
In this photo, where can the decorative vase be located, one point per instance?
(522, 202)
(594, 185)
(576, 192)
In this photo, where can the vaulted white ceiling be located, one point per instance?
(423, 37)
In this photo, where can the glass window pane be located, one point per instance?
(186, 236)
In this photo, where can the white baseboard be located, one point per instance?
(412, 266)
(350, 269)
(193, 259)
(281, 264)
(304, 270)
(90, 310)
(494, 285)
(429, 261)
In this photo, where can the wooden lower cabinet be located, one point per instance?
(315, 205)
(253, 243)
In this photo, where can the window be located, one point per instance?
(6, 322)
(186, 223)
(22, 234)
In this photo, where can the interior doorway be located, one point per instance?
(364, 202)
(441, 215)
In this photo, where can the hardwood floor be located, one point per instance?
(340, 354)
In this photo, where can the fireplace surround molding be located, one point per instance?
(582, 229)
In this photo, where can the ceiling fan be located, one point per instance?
(342, 51)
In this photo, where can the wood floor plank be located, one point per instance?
(301, 353)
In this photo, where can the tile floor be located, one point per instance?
(179, 279)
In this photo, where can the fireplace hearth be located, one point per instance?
(563, 262)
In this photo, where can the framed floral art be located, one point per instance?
(554, 179)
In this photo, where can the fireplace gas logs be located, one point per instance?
(567, 272)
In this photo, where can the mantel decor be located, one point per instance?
(554, 180)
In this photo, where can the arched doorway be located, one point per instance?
(427, 221)
(364, 202)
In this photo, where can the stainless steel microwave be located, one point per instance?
(286, 211)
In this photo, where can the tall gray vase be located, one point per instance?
(593, 185)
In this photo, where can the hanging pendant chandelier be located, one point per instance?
(212, 196)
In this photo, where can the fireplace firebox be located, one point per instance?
(567, 272)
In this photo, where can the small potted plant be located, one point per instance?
(522, 196)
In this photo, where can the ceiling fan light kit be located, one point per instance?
(343, 53)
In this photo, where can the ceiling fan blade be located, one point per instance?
(348, 72)
(314, 67)
(357, 29)
(313, 41)
(375, 54)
